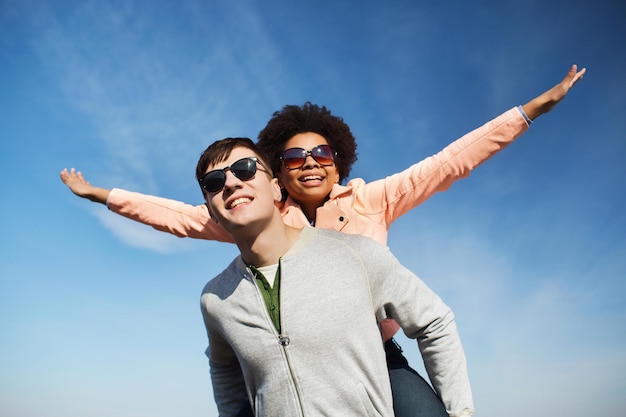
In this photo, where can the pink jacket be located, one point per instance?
(358, 207)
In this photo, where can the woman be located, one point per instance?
(312, 152)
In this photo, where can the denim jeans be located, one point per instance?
(246, 411)
(412, 395)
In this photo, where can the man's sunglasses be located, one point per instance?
(244, 169)
(294, 158)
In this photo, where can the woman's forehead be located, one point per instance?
(306, 140)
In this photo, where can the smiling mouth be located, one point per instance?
(238, 201)
(311, 178)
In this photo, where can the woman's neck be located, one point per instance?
(309, 212)
(310, 208)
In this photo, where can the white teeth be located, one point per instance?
(311, 177)
(238, 201)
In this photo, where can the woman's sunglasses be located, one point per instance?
(244, 169)
(294, 158)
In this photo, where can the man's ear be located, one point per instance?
(277, 190)
(208, 207)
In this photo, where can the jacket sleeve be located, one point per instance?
(165, 215)
(399, 294)
(399, 193)
(229, 388)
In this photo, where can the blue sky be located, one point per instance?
(100, 316)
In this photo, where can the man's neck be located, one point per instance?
(268, 245)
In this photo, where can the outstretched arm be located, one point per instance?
(545, 102)
(163, 214)
(411, 187)
(82, 188)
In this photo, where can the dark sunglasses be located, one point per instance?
(244, 169)
(294, 158)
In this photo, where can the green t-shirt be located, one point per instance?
(270, 294)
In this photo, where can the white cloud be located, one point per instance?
(156, 98)
(139, 235)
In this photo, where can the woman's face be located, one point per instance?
(311, 183)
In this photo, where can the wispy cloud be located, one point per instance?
(156, 98)
(139, 235)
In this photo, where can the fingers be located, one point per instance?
(72, 176)
(579, 75)
(573, 76)
(65, 175)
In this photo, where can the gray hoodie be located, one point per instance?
(329, 360)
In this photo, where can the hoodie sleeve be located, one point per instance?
(399, 294)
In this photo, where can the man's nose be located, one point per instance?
(231, 180)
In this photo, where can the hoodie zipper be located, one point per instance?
(283, 340)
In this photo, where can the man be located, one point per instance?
(293, 322)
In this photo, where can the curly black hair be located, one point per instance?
(292, 120)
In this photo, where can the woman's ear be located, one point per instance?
(335, 175)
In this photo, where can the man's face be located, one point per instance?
(312, 182)
(242, 203)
